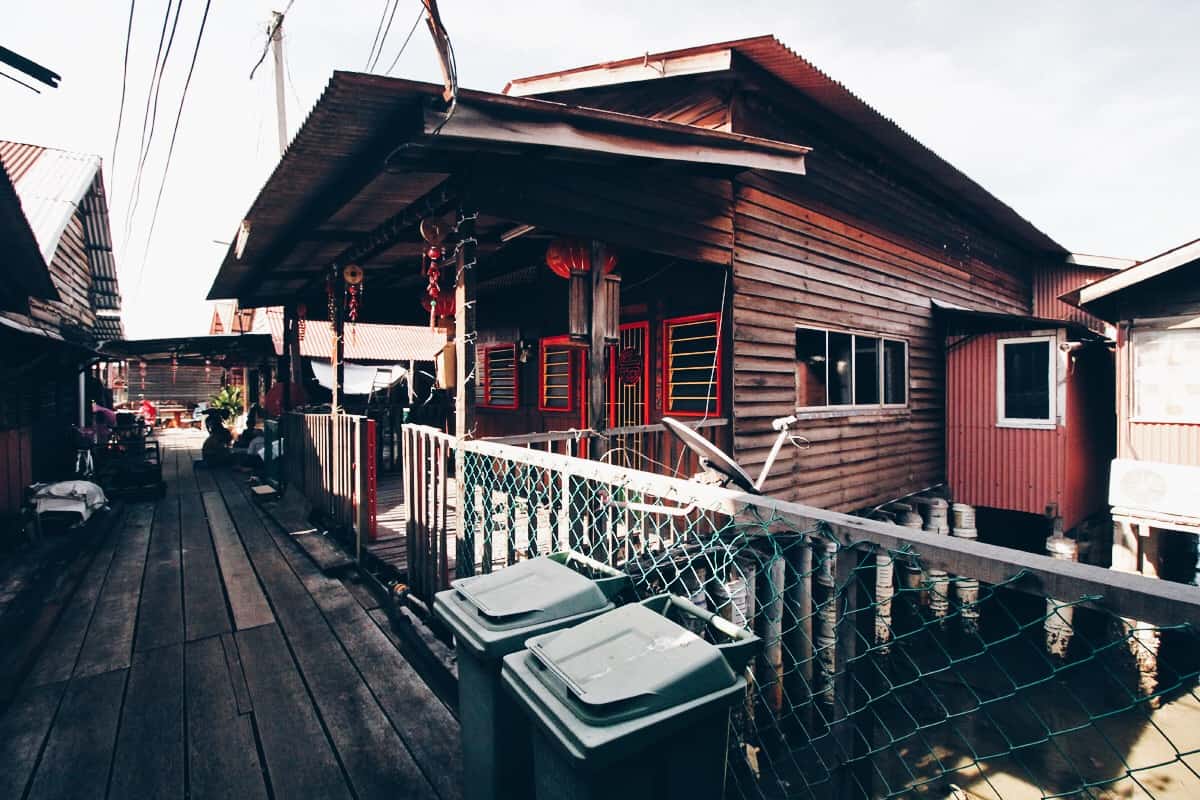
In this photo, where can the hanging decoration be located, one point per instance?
(301, 320)
(353, 277)
(142, 373)
(439, 298)
(207, 368)
(332, 301)
(174, 368)
(566, 257)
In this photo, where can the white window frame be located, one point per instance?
(830, 408)
(1049, 423)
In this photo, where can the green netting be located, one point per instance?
(878, 678)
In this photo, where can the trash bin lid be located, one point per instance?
(629, 663)
(495, 613)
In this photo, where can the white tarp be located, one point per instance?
(359, 378)
(81, 497)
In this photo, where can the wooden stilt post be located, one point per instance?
(464, 397)
(291, 354)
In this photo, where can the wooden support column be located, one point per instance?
(339, 341)
(290, 361)
(597, 353)
(464, 395)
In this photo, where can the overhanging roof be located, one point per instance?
(1098, 297)
(373, 146)
(776, 58)
(965, 321)
(239, 349)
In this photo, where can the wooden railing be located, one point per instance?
(330, 459)
(429, 494)
(651, 448)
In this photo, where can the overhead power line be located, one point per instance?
(270, 35)
(160, 62)
(112, 165)
(171, 147)
(378, 30)
(407, 39)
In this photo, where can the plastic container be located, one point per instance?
(491, 616)
(632, 704)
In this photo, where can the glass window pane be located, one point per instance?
(840, 379)
(895, 374)
(1026, 380)
(866, 370)
(1166, 375)
(810, 368)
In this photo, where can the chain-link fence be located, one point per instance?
(889, 668)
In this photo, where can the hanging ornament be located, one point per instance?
(438, 299)
(434, 230)
(352, 274)
(566, 256)
(207, 368)
(329, 297)
(174, 368)
(142, 373)
(442, 307)
(301, 320)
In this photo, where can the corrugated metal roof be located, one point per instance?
(51, 189)
(25, 271)
(109, 328)
(55, 185)
(364, 341)
(773, 56)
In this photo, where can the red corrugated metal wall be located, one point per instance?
(1050, 283)
(1015, 469)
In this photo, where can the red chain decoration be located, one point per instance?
(436, 300)
(174, 368)
(301, 320)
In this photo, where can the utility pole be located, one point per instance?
(276, 32)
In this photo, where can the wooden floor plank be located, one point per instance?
(109, 641)
(205, 611)
(149, 760)
(237, 676)
(427, 728)
(23, 730)
(160, 617)
(246, 599)
(57, 660)
(300, 760)
(373, 754)
(79, 751)
(222, 756)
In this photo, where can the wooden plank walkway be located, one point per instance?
(204, 655)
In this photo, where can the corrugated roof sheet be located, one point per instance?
(25, 271)
(364, 341)
(109, 328)
(775, 57)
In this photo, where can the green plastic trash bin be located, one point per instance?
(632, 704)
(491, 616)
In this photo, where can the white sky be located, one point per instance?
(1085, 118)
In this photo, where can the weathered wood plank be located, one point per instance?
(150, 757)
(299, 758)
(109, 642)
(79, 751)
(205, 612)
(327, 556)
(246, 599)
(222, 755)
(373, 754)
(23, 729)
(237, 676)
(425, 725)
(160, 616)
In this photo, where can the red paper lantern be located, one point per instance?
(445, 304)
(565, 257)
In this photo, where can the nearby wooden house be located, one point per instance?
(1155, 306)
(59, 301)
(757, 279)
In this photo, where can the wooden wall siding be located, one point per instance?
(72, 275)
(1050, 283)
(793, 265)
(16, 468)
(646, 209)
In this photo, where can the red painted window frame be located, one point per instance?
(487, 387)
(612, 373)
(666, 366)
(574, 378)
